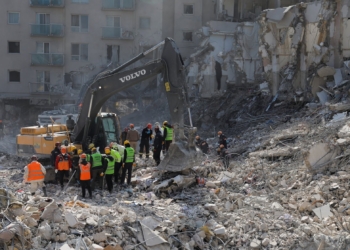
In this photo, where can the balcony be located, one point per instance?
(45, 88)
(118, 4)
(47, 3)
(47, 59)
(117, 33)
(53, 30)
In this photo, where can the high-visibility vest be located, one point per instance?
(63, 163)
(130, 153)
(85, 172)
(96, 159)
(169, 134)
(88, 157)
(110, 166)
(116, 155)
(34, 171)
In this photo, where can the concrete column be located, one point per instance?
(278, 3)
(335, 31)
(275, 74)
(303, 67)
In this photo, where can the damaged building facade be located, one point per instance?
(293, 52)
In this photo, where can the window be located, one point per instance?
(113, 53)
(80, 23)
(13, 47)
(145, 23)
(188, 9)
(187, 36)
(42, 48)
(14, 76)
(43, 76)
(80, 1)
(80, 52)
(42, 18)
(113, 21)
(13, 17)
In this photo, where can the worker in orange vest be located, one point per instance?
(34, 173)
(85, 175)
(63, 165)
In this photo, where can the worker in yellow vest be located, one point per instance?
(85, 175)
(34, 173)
(108, 168)
(128, 162)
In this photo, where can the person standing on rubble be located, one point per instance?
(118, 162)
(97, 168)
(157, 145)
(222, 152)
(123, 135)
(202, 144)
(108, 168)
(167, 136)
(63, 165)
(34, 173)
(88, 152)
(75, 163)
(56, 151)
(222, 139)
(132, 137)
(128, 162)
(85, 175)
(146, 138)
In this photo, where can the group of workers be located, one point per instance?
(91, 165)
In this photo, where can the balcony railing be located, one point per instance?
(47, 59)
(54, 30)
(118, 4)
(47, 3)
(45, 88)
(116, 33)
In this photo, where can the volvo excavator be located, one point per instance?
(93, 126)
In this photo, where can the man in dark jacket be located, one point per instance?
(222, 139)
(157, 145)
(146, 137)
(202, 144)
(222, 152)
(56, 151)
(123, 135)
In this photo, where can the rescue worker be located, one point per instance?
(157, 145)
(222, 139)
(75, 164)
(96, 168)
(222, 152)
(146, 138)
(118, 162)
(202, 144)
(56, 151)
(34, 173)
(123, 135)
(88, 152)
(167, 136)
(108, 168)
(63, 165)
(128, 162)
(85, 175)
(132, 137)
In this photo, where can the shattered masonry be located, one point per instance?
(297, 50)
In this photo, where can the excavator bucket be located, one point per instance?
(180, 157)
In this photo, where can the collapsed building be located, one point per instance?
(298, 52)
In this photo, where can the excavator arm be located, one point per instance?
(109, 83)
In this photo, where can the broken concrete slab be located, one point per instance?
(326, 71)
(279, 152)
(323, 97)
(323, 212)
(318, 155)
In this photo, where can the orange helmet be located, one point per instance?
(132, 125)
(63, 150)
(107, 150)
(83, 156)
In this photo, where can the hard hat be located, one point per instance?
(93, 149)
(149, 125)
(63, 150)
(72, 147)
(83, 156)
(222, 146)
(126, 142)
(57, 144)
(165, 122)
(197, 137)
(132, 125)
(80, 151)
(107, 150)
(34, 158)
(91, 145)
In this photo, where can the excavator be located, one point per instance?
(94, 126)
